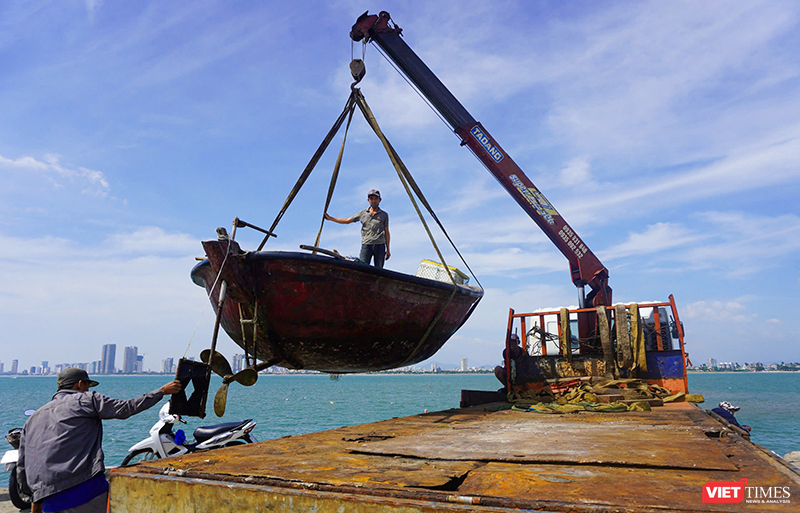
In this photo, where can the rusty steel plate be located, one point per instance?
(654, 462)
(638, 489)
(585, 438)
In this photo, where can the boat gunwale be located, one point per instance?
(463, 290)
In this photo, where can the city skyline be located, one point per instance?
(134, 364)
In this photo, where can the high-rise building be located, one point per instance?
(1, 367)
(166, 365)
(712, 362)
(129, 359)
(464, 365)
(238, 362)
(107, 365)
(139, 363)
(14, 366)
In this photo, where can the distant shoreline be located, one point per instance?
(295, 373)
(695, 371)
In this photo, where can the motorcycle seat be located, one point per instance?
(203, 433)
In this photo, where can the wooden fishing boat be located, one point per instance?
(309, 311)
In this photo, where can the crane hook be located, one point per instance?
(358, 70)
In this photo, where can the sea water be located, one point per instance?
(301, 403)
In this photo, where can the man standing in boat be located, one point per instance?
(374, 230)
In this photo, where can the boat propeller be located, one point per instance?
(221, 367)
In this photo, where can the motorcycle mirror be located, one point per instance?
(28, 413)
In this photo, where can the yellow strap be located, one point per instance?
(624, 353)
(334, 177)
(566, 336)
(637, 340)
(605, 341)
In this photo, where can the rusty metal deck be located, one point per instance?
(480, 458)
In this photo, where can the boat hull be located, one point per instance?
(319, 313)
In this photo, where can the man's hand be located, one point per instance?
(388, 254)
(173, 387)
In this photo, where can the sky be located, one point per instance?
(666, 133)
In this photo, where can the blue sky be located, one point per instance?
(666, 133)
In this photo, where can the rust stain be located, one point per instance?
(630, 439)
(469, 458)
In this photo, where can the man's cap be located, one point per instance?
(71, 375)
(725, 405)
(374, 192)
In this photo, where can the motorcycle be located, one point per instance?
(17, 495)
(163, 442)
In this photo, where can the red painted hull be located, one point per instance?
(320, 313)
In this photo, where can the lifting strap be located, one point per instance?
(310, 166)
(335, 175)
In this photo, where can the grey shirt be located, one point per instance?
(62, 443)
(373, 227)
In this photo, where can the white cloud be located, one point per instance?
(576, 172)
(656, 238)
(152, 240)
(91, 7)
(720, 311)
(24, 163)
(743, 244)
(93, 182)
(515, 260)
(67, 297)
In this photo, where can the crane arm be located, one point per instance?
(585, 267)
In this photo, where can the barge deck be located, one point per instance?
(483, 458)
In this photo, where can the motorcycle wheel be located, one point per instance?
(18, 498)
(139, 456)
